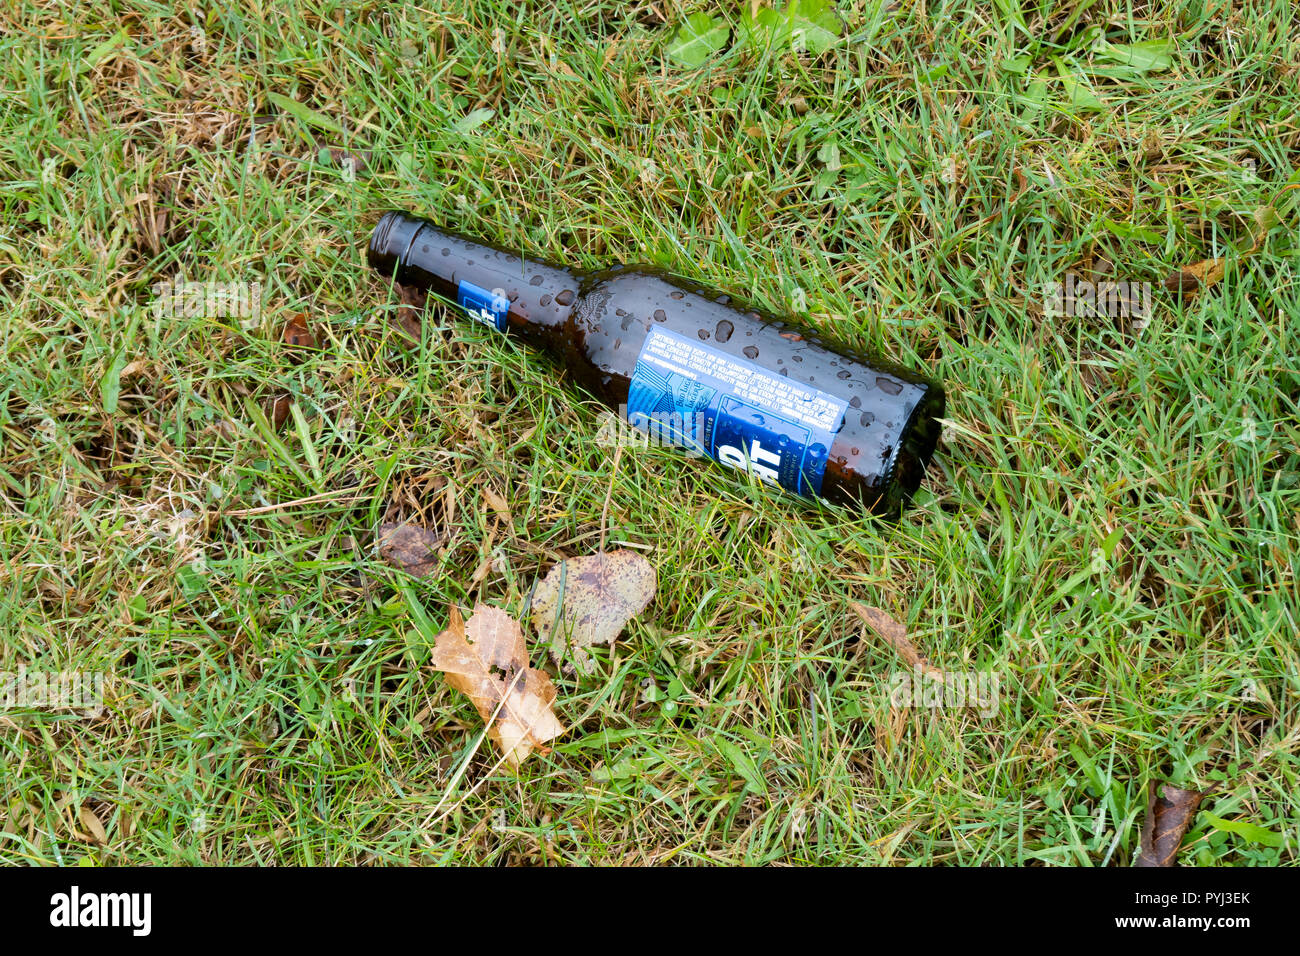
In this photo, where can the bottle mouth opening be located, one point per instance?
(379, 238)
(390, 242)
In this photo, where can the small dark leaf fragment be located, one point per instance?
(409, 547)
(296, 333)
(279, 409)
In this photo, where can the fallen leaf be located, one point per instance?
(486, 658)
(407, 317)
(409, 547)
(91, 823)
(296, 333)
(497, 502)
(1169, 814)
(356, 159)
(895, 635)
(279, 409)
(589, 600)
(1196, 277)
(134, 367)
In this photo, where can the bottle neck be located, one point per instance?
(494, 286)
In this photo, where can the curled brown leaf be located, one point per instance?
(1170, 812)
(408, 315)
(278, 409)
(895, 635)
(297, 334)
(486, 658)
(1196, 277)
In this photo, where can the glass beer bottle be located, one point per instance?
(691, 367)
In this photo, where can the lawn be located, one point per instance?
(1108, 536)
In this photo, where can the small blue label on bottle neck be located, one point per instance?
(490, 308)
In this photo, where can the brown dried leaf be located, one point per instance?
(296, 333)
(356, 159)
(589, 600)
(498, 503)
(279, 409)
(409, 547)
(895, 635)
(408, 313)
(1196, 277)
(1169, 815)
(91, 823)
(486, 658)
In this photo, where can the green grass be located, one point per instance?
(1110, 526)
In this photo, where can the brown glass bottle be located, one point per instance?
(745, 388)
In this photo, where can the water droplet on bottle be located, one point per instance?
(676, 295)
(536, 280)
(544, 300)
(751, 351)
(856, 401)
(565, 297)
(724, 330)
(703, 334)
(843, 373)
(866, 418)
(660, 315)
(888, 385)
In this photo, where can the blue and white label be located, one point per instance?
(490, 308)
(744, 416)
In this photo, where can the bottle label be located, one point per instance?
(490, 308)
(740, 414)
